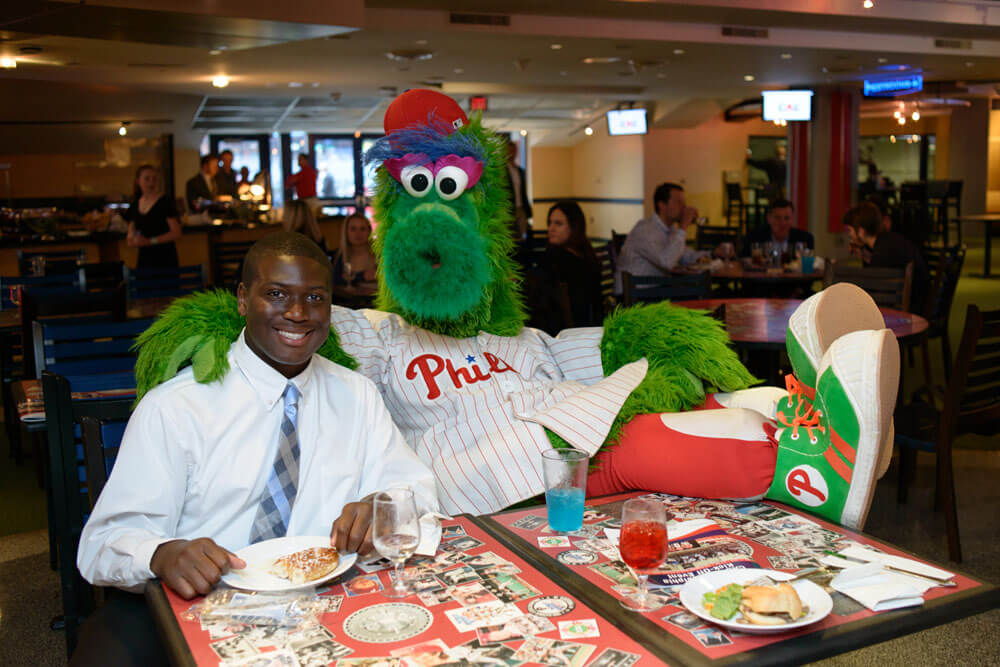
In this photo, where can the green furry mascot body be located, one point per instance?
(447, 344)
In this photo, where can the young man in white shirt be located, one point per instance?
(196, 460)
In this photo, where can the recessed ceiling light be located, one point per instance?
(459, 70)
(123, 129)
(294, 84)
(588, 130)
(357, 134)
(555, 47)
(314, 84)
(409, 55)
(970, 64)
(679, 52)
(786, 56)
(661, 75)
(868, 4)
(883, 61)
(748, 77)
(215, 52)
(220, 81)
(8, 62)
(600, 60)
(563, 73)
(524, 133)
(421, 42)
(824, 70)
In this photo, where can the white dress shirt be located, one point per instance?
(654, 249)
(473, 408)
(195, 460)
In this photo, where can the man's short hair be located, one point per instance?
(226, 151)
(865, 216)
(779, 203)
(205, 159)
(663, 192)
(289, 244)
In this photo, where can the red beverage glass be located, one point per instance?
(643, 546)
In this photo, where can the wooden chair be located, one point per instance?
(164, 282)
(68, 493)
(890, 288)
(946, 269)
(227, 258)
(734, 204)
(969, 404)
(651, 289)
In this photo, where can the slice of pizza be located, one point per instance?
(307, 565)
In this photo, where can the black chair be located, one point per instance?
(734, 204)
(889, 288)
(66, 282)
(607, 256)
(227, 258)
(651, 289)
(618, 241)
(946, 269)
(709, 237)
(953, 201)
(103, 275)
(54, 261)
(68, 493)
(164, 282)
(969, 404)
(102, 438)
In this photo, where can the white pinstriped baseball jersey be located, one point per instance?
(473, 408)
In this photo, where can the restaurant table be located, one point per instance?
(736, 271)
(987, 220)
(761, 323)
(730, 535)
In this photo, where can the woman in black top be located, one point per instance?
(153, 224)
(570, 258)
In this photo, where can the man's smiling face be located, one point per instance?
(287, 308)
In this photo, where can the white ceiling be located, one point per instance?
(668, 54)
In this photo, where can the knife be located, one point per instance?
(937, 582)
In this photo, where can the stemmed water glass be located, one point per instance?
(643, 547)
(396, 533)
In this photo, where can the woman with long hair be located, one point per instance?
(570, 258)
(299, 217)
(153, 223)
(355, 260)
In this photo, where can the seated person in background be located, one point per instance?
(225, 178)
(287, 443)
(354, 262)
(298, 217)
(659, 243)
(569, 258)
(201, 188)
(882, 248)
(780, 230)
(244, 177)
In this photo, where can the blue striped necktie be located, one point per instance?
(275, 509)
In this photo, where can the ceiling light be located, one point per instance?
(970, 64)
(524, 133)
(220, 81)
(409, 55)
(901, 120)
(915, 115)
(555, 47)
(314, 84)
(678, 52)
(563, 73)
(257, 190)
(882, 61)
(661, 75)
(786, 56)
(294, 84)
(459, 70)
(357, 134)
(123, 129)
(588, 130)
(897, 114)
(892, 138)
(421, 42)
(868, 4)
(748, 77)
(600, 60)
(8, 62)
(215, 52)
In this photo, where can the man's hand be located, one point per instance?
(688, 215)
(192, 567)
(352, 531)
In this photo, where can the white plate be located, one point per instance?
(259, 558)
(818, 601)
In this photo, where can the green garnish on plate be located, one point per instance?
(725, 602)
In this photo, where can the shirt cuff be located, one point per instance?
(143, 555)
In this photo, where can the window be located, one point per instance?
(333, 159)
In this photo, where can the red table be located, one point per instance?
(761, 323)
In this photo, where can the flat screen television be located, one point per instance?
(627, 121)
(787, 105)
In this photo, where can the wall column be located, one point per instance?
(968, 153)
(832, 168)
(798, 171)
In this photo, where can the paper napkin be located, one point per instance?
(878, 589)
(858, 552)
(430, 533)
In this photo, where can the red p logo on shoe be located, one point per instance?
(807, 485)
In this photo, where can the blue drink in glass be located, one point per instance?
(565, 507)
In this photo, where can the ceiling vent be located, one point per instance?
(480, 19)
(941, 43)
(752, 33)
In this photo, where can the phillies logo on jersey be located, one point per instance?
(429, 366)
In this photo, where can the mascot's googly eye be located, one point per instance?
(416, 179)
(450, 182)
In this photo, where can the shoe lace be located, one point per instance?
(805, 415)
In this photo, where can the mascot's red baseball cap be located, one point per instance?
(416, 106)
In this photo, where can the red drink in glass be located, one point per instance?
(643, 544)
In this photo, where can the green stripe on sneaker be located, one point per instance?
(804, 369)
(837, 408)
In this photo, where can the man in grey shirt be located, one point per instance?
(659, 243)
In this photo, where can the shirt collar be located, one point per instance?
(266, 381)
(656, 217)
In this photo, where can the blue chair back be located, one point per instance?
(56, 261)
(93, 356)
(164, 282)
(57, 283)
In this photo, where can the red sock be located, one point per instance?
(705, 454)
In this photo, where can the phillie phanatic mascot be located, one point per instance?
(655, 396)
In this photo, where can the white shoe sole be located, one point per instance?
(826, 316)
(867, 365)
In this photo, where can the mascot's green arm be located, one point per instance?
(197, 330)
(688, 353)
